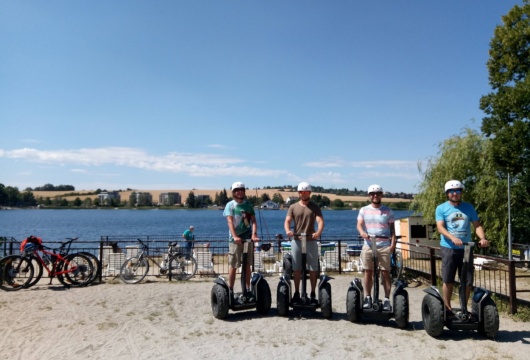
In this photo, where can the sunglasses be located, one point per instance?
(452, 192)
(376, 194)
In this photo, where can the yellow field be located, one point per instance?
(184, 194)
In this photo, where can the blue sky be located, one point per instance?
(199, 94)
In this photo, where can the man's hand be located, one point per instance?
(484, 243)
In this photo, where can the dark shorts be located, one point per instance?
(452, 260)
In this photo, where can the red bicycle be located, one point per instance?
(70, 269)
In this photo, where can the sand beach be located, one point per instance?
(161, 320)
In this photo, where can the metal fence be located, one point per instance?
(508, 279)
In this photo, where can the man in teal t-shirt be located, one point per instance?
(242, 226)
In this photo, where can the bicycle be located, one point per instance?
(176, 264)
(16, 272)
(54, 256)
(70, 269)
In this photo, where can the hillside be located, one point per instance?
(184, 194)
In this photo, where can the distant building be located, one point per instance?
(202, 198)
(141, 199)
(291, 200)
(169, 198)
(269, 205)
(107, 197)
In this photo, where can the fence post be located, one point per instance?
(513, 290)
(434, 278)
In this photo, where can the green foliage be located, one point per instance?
(190, 200)
(467, 158)
(507, 107)
(278, 198)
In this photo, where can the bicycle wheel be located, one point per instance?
(38, 271)
(16, 272)
(182, 267)
(95, 264)
(134, 270)
(77, 270)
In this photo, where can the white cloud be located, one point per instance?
(200, 165)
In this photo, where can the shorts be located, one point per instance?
(383, 257)
(452, 260)
(235, 254)
(312, 255)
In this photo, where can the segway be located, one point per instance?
(284, 296)
(400, 299)
(483, 318)
(259, 299)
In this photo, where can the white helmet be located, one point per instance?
(238, 185)
(453, 184)
(374, 188)
(304, 186)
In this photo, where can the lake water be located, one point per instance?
(56, 225)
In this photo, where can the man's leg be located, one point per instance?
(447, 294)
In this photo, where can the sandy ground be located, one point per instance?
(162, 320)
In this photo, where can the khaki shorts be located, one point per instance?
(383, 257)
(235, 254)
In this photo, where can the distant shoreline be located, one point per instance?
(184, 194)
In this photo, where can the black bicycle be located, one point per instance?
(175, 264)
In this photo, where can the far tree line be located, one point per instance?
(12, 197)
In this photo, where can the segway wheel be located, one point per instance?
(282, 299)
(401, 309)
(325, 301)
(432, 315)
(219, 300)
(489, 325)
(264, 300)
(353, 305)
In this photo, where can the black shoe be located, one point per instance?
(450, 315)
(296, 298)
(387, 306)
(250, 296)
(367, 304)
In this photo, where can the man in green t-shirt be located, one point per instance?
(189, 237)
(242, 226)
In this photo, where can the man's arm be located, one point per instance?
(320, 227)
(287, 225)
(479, 230)
(440, 226)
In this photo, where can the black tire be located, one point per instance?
(182, 267)
(219, 299)
(432, 315)
(134, 270)
(489, 325)
(263, 297)
(95, 264)
(16, 272)
(38, 271)
(78, 270)
(282, 299)
(401, 309)
(353, 305)
(324, 295)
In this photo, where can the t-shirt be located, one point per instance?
(242, 214)
(377, 222)
(304, 217)
(457, 221)
(188, 235)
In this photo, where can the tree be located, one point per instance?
(191, 200)
(278, 198)
(507, 107)
(338, 203)
(265, 197)
(467, 158)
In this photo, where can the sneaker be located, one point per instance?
(386, 305)
(313, 299)
(250, 296)
(296, 297)
(367, 304)
(449, 315)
